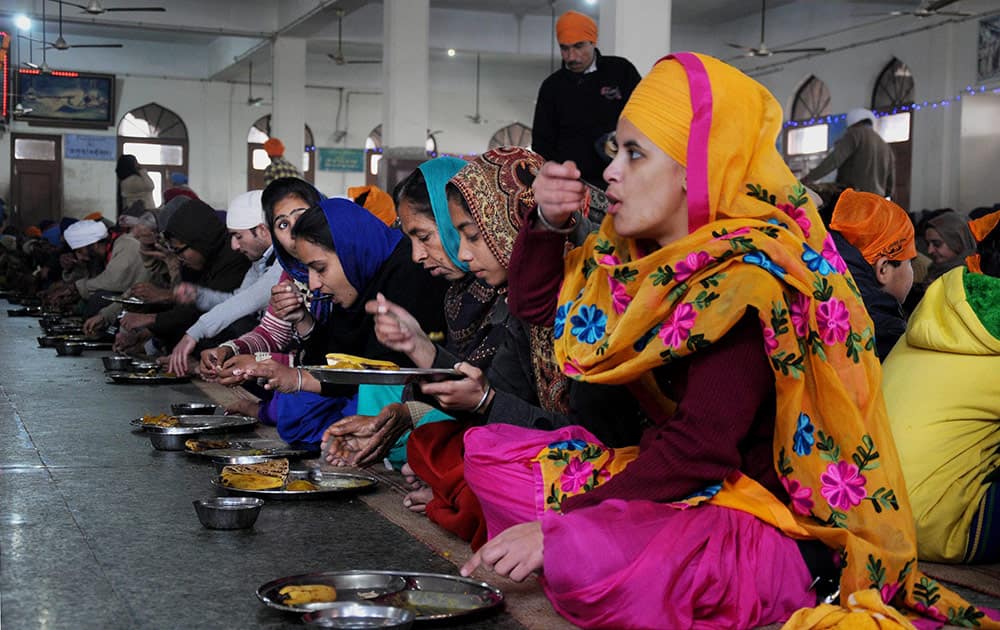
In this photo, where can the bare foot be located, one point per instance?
(418, 498)
(244, 407)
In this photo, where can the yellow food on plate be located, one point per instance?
(161, 420)
(298, 594)
(350, 362)
(301, 485)
(269, 475)
(250, 481)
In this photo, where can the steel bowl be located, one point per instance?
(117, 363)
(241, 460)
(169, 441)
(140, 365)
(69, 349)
(228, 512)
(358, 615)
(194, 409)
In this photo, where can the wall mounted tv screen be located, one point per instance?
(65, 98)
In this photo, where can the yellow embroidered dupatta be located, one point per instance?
(755, 241)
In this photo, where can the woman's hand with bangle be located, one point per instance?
(400, 331)
(472, 393)
(559, 193)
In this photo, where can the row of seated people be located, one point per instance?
(676, 417)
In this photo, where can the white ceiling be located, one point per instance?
(241, 28)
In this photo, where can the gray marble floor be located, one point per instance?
(97, 529)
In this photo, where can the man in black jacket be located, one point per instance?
(579, 104)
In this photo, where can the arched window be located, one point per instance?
(158, 138)
(892, 97)
(513, 135)
(257, 159)
(808, 137)
(373, 152)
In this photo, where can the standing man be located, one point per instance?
(279, 166)
(578, 105)
(862, 158)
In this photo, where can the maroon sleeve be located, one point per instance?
(535, 274)
(726, 385)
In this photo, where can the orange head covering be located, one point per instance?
(755, 248)
(985, 224)
(573, 27)
(981, 228)
(93, 216)
(33, 231)
(376, 201)
(875, 225)
(274, 147)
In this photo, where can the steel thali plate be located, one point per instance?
(139, 378)
(330, 486)
(431, 596)
(199, 424)
(400, 376)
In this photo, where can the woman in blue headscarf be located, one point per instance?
(351, 258)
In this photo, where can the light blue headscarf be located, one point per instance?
(437, 172)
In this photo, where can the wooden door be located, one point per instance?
(36, 178)
(903, 153)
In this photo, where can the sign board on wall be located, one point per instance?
(336, 159)
(90, 147)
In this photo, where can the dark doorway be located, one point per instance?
(36, 178)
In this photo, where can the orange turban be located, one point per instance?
(274, 147)
(875, 225)
(573, 27)
(985, 224)
(93, 216)
(376, 201)
(33, 231)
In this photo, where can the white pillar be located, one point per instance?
(405, 76)
(288, 95)
(638, 30)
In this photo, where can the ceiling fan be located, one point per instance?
(338, 57)
(94, 7)
(60, 43)
(476, 118)
(929, 8)
(763, 50)
(253, 101)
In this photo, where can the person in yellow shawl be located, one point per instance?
(711, 269)
(948, 434)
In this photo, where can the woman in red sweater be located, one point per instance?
(713, 291)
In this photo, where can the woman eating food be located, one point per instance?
(769, 479)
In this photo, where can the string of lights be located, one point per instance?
(968, 92)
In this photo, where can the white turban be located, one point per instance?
(245, 211)
(83, 233)
(858, 114)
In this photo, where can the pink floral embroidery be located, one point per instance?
(609, 259)
(800, 495)
(843, 485)
(800, 314)
(798, 215)
(576, 474)
(931, 611)
(694, 262)
(676, 329)
(832, 256)
(770, 340)
(737, 232)
(888, 591)
(834, 321)
(620, 299)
